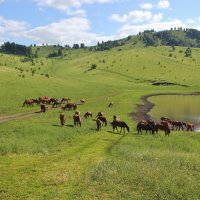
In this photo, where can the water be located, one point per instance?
(185, 108)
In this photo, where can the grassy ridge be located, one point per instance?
(41, 160)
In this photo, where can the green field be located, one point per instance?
(41, 160)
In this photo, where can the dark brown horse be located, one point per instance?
(70, 106)
(120, 124)
(43, 108)
(145, 126)
(88, 114)
(100, 114)
(103, 120)
(52, 100)
(65, 100)
(56, 104)
(163, 127)
(62, 119)
(99, 124)
(190, 127)
(77, 120)
(176, 125)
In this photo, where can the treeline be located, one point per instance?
(16, 49)
(173, 37)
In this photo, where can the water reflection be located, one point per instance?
(184, 108)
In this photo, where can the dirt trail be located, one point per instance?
(13, 117)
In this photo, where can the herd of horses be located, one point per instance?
(165, 125)
(151, 126)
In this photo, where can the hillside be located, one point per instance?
(41, 160)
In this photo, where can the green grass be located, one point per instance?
(41, 160)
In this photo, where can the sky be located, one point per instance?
(89, 21)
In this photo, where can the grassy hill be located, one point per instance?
(41, 160)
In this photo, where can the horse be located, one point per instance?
(36, 101)
(70, 106)
(103, 120)
(44, 99)
(120, 124)
(82, 101)
(163, 127)
(65, 99)
(110, 104)
(100, 114)
(56, 104)
(28, 102)
(145, 126)
(176, 124)
(62, 119)
(164, 119)
(190, 127)
(88, 114)
(43, 108)
(77, 120)
(53, 100)
(99, 124)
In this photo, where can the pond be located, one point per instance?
(185, 108)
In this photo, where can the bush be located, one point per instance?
(93, 66)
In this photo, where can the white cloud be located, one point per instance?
(66, 4)
(190, 21)
(66, 31)
(146, 6)
(133, 30)
(136, 16)
(12, 27)
(163, 4)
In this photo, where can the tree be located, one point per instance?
(82, 46)
(188, 52)
(60, 53)
(76, 46)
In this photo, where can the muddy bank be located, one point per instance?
(143, 109)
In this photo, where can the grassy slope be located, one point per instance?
(40, 160)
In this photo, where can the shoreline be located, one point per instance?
(146, 106)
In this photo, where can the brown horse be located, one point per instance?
(62, 119)
(190, 127)
(56, 103)
(82, 101)
(120, 124)
(28, 102)
(99, 124)
(52, 100)
(65, 100)
(70, 106)
(43, 108)
(145, 126)
(103, 120)
(163, 127)
(77, 120)
(176, 125)
(100, 114)
(88, 114)
(44, 99)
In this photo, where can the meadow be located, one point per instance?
(39, 159)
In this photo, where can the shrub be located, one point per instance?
(93, 66)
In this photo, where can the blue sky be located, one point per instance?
(89, 21)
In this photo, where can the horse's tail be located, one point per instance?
(127, 127)
(105, 122)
